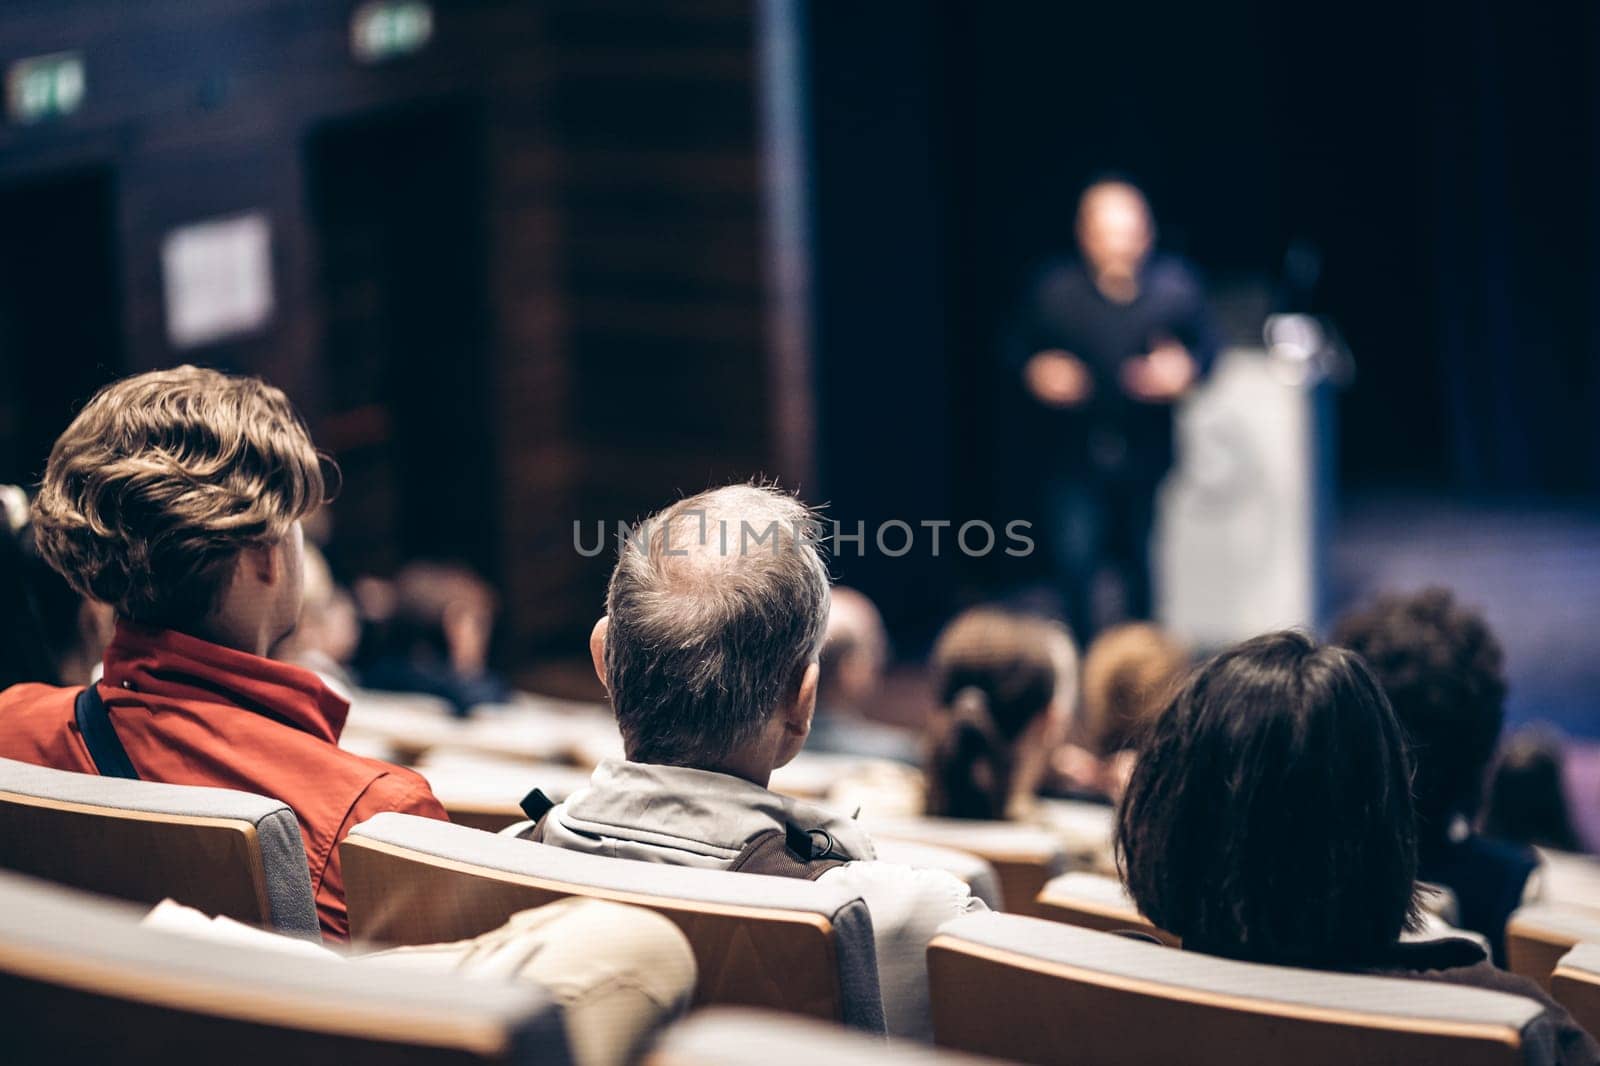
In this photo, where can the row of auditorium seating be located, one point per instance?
(83, 982)
(1009, 985)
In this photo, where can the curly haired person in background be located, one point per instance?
(1441, 667)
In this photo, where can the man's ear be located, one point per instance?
(264, 564)
(597, 648)
(798, 718)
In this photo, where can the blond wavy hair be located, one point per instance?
(160, 482)
(1129, 674)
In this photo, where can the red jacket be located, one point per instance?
(194, 713)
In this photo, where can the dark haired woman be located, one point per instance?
(1269, 818)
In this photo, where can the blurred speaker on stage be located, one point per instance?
(1105, 343)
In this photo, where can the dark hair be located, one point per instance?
(1441, 668)
(27, 590)
(994, 674)
(1527, 800)
(1269, 815)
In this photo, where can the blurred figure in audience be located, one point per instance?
(708, 651)
(1441, 668)
(53, 635)
(1128, 675)
(432, 634)
(1269, 818)
(329, 630)
(1006, 685)
(854, 652)
(1527, 799)
(176, 497)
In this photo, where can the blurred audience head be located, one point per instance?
(714, 621)
(1128, 673)
(447, 609)
(53, 635)
(330, 626)
(1269, 815)
(1115, 229)
(176, 496)
(854, 652)
(430, 629)
(1527, 798)
(1006, 685)
(1442, 670)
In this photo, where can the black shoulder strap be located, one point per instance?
(110, 757)
(788, 852)
(536, 805)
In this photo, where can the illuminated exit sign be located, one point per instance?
(387, 29)
(44, 87)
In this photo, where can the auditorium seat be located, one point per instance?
(406, 723)
(1539, 934)
(799, 946)
(217, 850)
(813, 774)
(1093, 901)
(1042, 992)
(1085, 830)
(485, 792)
(737, 1036)
(976, 872)
(83, 983)
(1090, 901)
(1024, 857)
(1569, 879)
(533, 730)
(1576, 985)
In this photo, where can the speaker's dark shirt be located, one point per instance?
(1113, 435)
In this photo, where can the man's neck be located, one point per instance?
(731, 768)
(1117, 287)
(214, 631)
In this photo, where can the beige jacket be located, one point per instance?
(686, 817)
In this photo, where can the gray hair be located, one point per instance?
(715, 603)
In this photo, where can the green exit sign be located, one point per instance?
(386, 29)
(44, 87)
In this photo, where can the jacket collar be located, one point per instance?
(163, 664)
(698, 809)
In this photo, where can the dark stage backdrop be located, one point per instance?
(1439, 158)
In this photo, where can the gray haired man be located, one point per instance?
(714, 621)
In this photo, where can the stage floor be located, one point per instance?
(1533, 568)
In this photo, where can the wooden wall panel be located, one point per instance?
(620, 214)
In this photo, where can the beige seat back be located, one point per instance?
(83, 983)
(1569, 879)
(735, 1036)
(486, 793)
(1024, 857)
(1042, 992)
(1090, 901)
(799, 946)
(220, 851)
(1576, 985)
(1538, 936)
